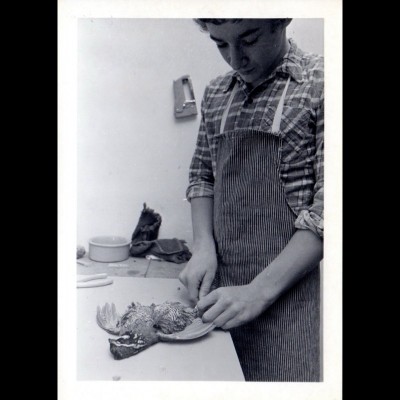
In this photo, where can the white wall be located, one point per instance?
(131, 149)
(308, 34)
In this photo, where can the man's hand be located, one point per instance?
(229, 307)
(199, 273)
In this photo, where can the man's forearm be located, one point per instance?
(302, 254)
(202, 221)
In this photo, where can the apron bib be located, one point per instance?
(252, 224)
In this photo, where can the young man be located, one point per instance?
(256, 193)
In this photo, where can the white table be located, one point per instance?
(210, 358)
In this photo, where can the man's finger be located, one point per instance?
(193, 289)
(206, 285)
(207, 301)
(226, 319)
(182, 278)
(213, 312)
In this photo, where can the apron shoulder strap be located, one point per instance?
(228, 106)
(276, 123)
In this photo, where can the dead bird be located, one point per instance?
(142, 326)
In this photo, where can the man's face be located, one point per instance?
(249, 47)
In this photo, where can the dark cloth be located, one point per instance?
(148, 226)
(144, 240)
(174, 250)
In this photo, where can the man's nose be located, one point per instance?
(237, 58)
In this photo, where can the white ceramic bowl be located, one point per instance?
(109, 248)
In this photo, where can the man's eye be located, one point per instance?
(221, 45)
(249, 42)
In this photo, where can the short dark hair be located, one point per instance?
(203, 21)
(276, 22)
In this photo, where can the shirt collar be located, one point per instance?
(290, 65)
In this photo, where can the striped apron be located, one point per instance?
(252, 224)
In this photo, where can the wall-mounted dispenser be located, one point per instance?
(185, 102)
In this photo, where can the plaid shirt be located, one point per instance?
(302, 131)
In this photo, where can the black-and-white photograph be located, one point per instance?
(199, 180)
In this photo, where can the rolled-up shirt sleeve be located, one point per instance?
(201, 178)
(312, 218)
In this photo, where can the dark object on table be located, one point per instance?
(144, 240)
(174, 250)
(80, 251)
(148, 225)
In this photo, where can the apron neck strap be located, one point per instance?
(228, 106)
(276, 123)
